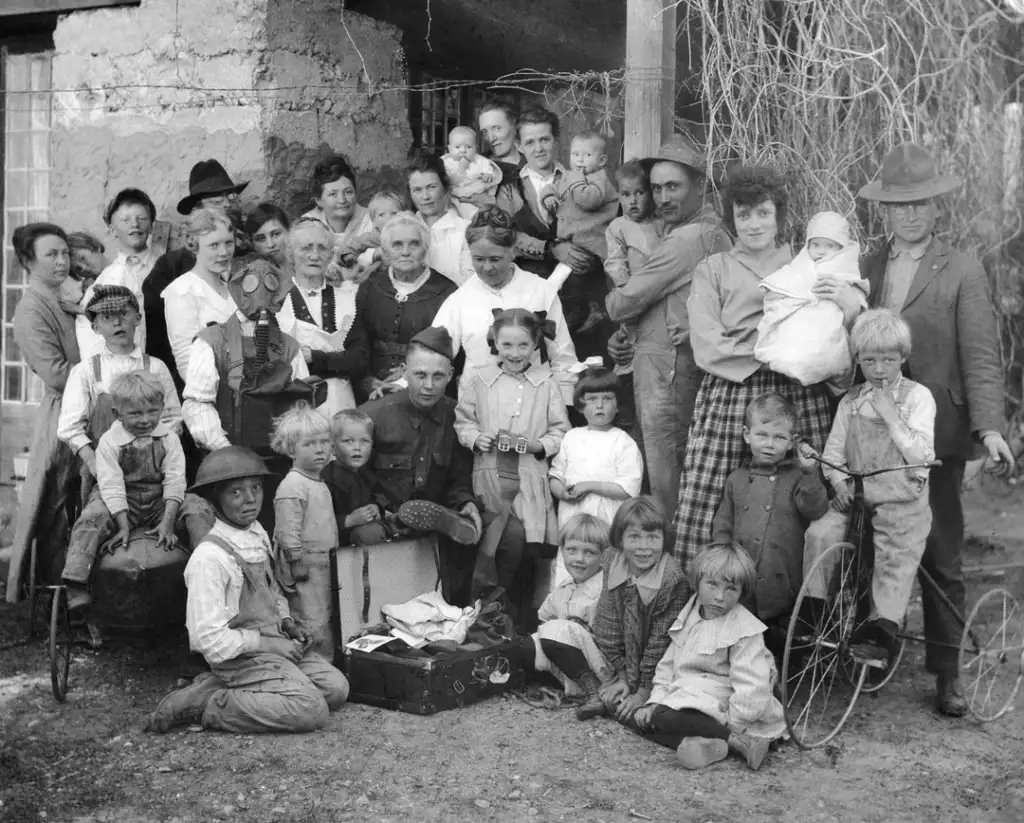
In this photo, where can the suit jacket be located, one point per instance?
(955, 343)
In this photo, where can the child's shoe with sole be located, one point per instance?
(697, 752)
(752, 749)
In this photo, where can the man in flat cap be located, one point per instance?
(665, 376)
(943, 295)
(417, 457)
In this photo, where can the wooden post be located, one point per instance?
(650, 75)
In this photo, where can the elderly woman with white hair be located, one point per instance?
(400, 299)
(323, 317)
(200, 297)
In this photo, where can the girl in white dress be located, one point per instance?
(599, 466)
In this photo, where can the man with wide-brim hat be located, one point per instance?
(209, 186)
(665, 376)
(944, 297)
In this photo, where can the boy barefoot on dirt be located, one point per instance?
(262, 677)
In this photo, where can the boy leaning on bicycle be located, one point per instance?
(886, 421)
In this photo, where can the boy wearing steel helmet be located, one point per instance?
(262, 677)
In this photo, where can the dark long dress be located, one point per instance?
(390, 323)
(45, 333)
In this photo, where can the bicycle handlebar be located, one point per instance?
(934, 464)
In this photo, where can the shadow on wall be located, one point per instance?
(290, 170)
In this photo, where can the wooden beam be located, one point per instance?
(14, 8)
(650, 75)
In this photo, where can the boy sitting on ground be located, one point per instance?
(263, 677)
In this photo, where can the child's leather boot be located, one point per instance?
(593, 705)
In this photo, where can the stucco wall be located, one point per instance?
(130, 122)
(156, 88)
(338, 72)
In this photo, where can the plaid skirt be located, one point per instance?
(716, 447)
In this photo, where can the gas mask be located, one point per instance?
(256, 288)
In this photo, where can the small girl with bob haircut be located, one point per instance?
(713, 687)
(599, 466)
(644, 590)
(564, 645)
(305, 529)
(511, 414)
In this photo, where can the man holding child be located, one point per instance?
(653, 297)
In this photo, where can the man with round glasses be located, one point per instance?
(944, 297)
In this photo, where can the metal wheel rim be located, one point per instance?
(831, 658)
(60, 644)
(871, 686)
(970, 663)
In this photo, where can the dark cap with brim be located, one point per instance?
(437, 339)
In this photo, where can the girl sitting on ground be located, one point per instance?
(563, 645)
(305, 530)
(713, 688)
(644, 590)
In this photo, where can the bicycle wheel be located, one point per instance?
(818, 693)
(60, 644)
(991, 659)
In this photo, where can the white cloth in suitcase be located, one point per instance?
(800, 335)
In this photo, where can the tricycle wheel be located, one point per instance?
(877, 678)
(818, 693)
(60, 644)
(991, 660)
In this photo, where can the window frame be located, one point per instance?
(30, 387)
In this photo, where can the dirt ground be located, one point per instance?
(502, 760)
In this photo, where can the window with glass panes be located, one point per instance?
(26, 197)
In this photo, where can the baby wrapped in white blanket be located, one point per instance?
(800, 335)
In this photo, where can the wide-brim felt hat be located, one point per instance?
(207, 179)
(679, 149)
(909, 173)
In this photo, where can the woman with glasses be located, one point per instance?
(322, 317)
(200, 297)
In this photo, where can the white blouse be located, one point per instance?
(449, 252)
(190, 305)
(467, 314)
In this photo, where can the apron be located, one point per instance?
(326, 336)
(485, 574)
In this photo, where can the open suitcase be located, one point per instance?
(365, 578)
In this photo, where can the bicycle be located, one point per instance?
(822, 679)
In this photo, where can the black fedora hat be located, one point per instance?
(207, 179)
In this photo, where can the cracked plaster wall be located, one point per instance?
(142, 129)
